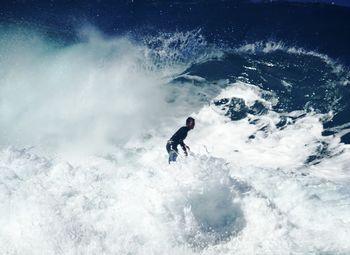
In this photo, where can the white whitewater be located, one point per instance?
(83, 165)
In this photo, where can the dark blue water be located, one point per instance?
(315, 26)
(320, 28)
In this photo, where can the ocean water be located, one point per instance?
(86, 110)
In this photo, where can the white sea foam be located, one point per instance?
(248, 186)
(248, 92)
(192, 77)
(272, 46)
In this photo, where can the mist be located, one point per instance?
(87, 96)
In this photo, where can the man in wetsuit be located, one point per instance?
(178, 138)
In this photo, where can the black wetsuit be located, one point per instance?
(175, 140)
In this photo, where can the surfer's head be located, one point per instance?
(190, 122)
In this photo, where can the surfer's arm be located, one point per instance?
(184, 147)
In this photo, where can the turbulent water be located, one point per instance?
(83, 128)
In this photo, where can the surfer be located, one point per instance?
(178, 138)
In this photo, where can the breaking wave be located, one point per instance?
(83, 168)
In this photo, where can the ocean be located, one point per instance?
(90, 92)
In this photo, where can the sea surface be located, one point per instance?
(90, 92)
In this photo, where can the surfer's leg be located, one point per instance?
(172, 152)
(172, 156)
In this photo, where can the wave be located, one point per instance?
(83, 168)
